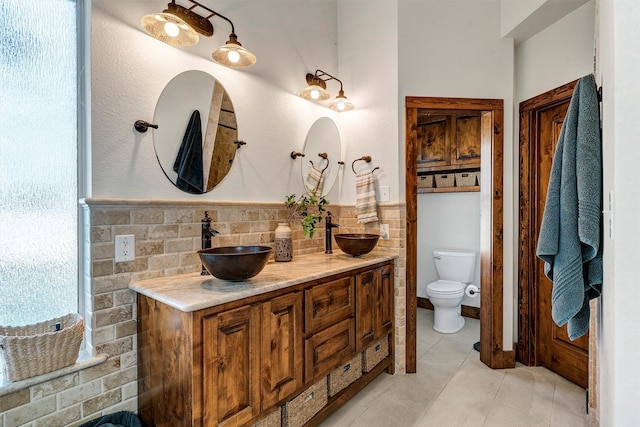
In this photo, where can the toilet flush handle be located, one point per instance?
(436, 257)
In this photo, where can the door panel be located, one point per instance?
(555, 350)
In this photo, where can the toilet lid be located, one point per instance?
(445, 287)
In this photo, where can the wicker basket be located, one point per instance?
(465, 179)
(274, 419)
(375, 354)
(302, 408)
(425, 181)
(341, 377)
(444, 181)
(31, 350)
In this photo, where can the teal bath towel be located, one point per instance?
(570, 236)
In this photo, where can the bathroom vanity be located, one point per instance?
(216, 353)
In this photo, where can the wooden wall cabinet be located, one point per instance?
(229, 365)
(446, 140)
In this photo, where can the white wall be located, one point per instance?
(130, 70)
(447, 221)
(561, 53)
(453, 48)
(368, 58)
(620, 341)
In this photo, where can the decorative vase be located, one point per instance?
(284, 243)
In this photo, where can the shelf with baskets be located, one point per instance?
(451, 181)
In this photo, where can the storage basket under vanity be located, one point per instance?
(31, 350)
(445, 180)
(273, 419)
(344, 375)
(302, 408)
(375, 354)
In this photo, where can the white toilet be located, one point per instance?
(455, 269)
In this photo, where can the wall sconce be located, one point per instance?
(178, 26)
(317, 91)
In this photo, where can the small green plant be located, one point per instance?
(307, 208)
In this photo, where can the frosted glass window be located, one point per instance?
(38, 160)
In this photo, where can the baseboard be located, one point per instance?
(467, 311)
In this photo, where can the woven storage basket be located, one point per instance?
(444, 180)
(375, 354)
(302, 408)
(31, 350)
(341, 377)
(274, 419)
(465, 179)
(425, 181)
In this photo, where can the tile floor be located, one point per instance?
(453, 388)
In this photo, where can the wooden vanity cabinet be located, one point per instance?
(229, 365)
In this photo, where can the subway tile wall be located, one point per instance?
(167, 236)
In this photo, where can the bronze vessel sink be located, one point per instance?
(356, 244)
(235, 263)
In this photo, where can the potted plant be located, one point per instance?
(307, 208)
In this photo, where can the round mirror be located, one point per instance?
(322, 153)
(196, 132)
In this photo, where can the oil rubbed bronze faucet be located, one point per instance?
(328, 226)
(207, 234)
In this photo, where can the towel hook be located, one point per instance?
(142, 126)
(239, 144)
(324, 156)
(295, 154)
(366, 159)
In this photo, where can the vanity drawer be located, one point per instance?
(328, 303)
(328, 348)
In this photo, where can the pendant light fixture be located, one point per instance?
(317, 91)
(179, 26)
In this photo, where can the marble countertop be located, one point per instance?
(191, 292)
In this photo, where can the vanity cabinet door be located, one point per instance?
(384, 302)
(282, 342)
(231, 366)
(374, 312)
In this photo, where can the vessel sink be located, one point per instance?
(235, 263)
(356, 244)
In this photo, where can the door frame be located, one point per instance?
(526, 349)
(491, 234)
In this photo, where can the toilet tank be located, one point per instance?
(455, 265)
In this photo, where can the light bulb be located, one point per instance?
(315, 94)
(171, 29)
(233, 56)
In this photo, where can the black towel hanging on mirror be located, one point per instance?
(188, 164)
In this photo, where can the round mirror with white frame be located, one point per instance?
(322, 152)
(197, 128)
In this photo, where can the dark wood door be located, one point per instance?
(551, 346)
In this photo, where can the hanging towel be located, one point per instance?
(188, 164)
(314, 180)
(366, 207)
(570, 235)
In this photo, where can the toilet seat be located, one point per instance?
(446, 288)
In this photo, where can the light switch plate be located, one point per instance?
(384, 193)
(384, 231)
(125, 247)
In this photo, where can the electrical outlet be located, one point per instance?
(384, 231)
(125, 248)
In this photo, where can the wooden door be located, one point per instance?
(550, 345)
(366, 284)
(231, 368)
(282, 355)
(384, 302)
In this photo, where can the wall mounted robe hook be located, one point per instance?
(239, 144)
(142, 126)
(295, 154)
